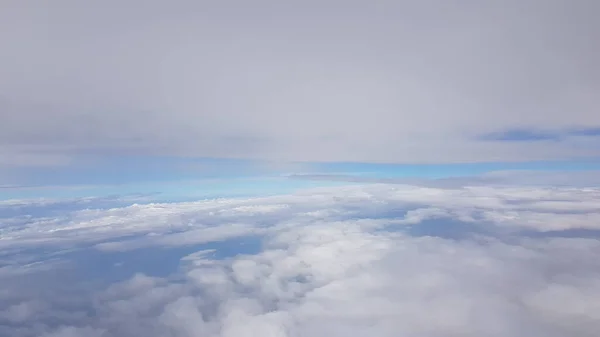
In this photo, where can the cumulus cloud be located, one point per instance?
(333, 262)
(396, 81)
(337, 280)
(516, 206)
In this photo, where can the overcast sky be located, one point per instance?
(362, 81)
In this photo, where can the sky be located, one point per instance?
(299, 168)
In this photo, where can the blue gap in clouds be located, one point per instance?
(521, 135)
(111, 170)
(586, 132)
(91, 265)
(531, 134)
(174, 191)
(439, 171)
(575, 233)
(174, 178)
(452, 229)
(445, 228)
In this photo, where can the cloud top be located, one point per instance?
(350, 261)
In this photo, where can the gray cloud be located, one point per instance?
(393, 81)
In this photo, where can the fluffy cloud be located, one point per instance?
(354, 261)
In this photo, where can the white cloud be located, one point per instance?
(336, 262)
(542, 209)
(338, 280)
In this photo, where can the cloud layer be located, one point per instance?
(376, 260)
(396, 81)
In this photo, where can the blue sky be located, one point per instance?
(532, 134)
(172, 178)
